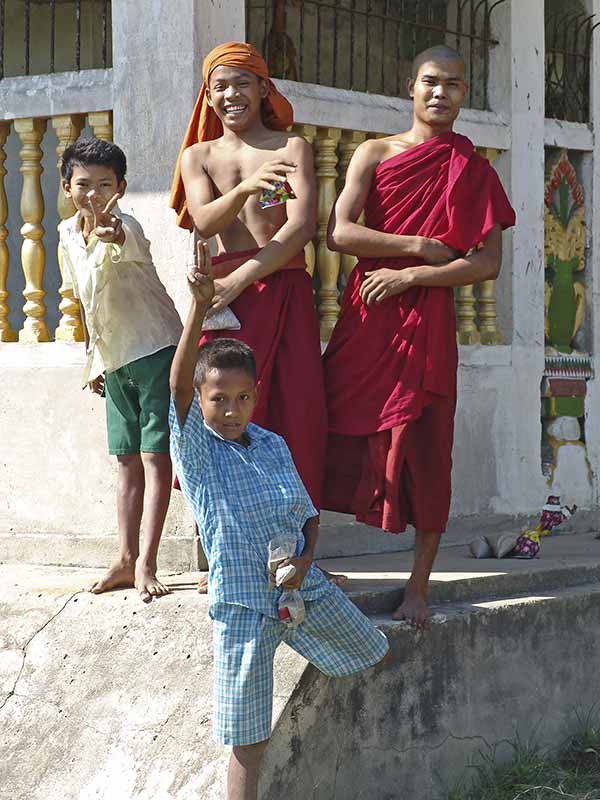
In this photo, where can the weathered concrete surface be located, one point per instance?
(376, 581)
(105, 698)
(479, 674)
(102, 697)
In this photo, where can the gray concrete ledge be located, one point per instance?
(177, 553)
(60, 93)
(376, 582)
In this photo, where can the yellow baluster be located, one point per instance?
(308, 132)
(33, 254)
(328, 263)
(6, 332)
(488, 319)
(348, 143)
(466, 315)
(101, 124)
(67, 127)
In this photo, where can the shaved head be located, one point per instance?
(440, 52)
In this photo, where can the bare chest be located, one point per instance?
(228, 172)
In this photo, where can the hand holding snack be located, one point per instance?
(281, 193)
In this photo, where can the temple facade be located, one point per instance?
(528, 420)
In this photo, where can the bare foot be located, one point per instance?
(119, 576)
(203, 583)
(338, 580)
(414, 607)
(147, 583)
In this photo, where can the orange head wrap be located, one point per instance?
(204, 124)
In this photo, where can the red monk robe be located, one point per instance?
(278, 321)
(390, 369)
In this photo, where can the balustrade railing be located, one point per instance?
(31, 202)
(333, 149)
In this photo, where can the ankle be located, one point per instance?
(146, 562)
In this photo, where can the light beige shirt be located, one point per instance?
(128, 311)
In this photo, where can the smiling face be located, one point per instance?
(236, 97)
(227, 398)
(438, 91)
(93, 178)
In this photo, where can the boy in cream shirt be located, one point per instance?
(131, 331)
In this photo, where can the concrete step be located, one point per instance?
(341, 536)
(104, 697)
(376, 581)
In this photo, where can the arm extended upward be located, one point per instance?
(181, 379)
(345, 235)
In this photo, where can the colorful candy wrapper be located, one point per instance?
(282, 193)
(553, 515)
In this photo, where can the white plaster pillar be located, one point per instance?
(523, 484)
(158, 48)
(592, 275)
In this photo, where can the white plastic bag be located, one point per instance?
(224, 320)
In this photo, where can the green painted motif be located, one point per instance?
(564, 245)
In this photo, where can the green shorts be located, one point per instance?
(137, 405)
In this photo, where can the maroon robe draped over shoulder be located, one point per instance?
(390, 369)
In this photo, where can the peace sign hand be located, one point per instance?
(200, 279)
(107, 227)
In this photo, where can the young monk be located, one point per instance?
(434, 214)
(236, 147)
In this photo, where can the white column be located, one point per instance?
(592, 273)
(523, 483)
(157, 73)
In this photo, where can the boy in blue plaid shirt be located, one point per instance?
(244, 490)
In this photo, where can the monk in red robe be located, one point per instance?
(434, 214)
(236, 147)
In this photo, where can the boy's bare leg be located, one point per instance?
(242, 776)
(158, 473)
(130, 504)
(414, 606)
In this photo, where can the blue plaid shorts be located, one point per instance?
(335, 636)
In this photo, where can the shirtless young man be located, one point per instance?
(434, 214)
(236, 147)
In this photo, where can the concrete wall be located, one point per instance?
(482, 674)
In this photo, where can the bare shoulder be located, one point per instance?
(196, 155)
(370, 153)
(297, 147)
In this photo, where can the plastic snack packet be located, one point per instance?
(291, 608)
(283, 192)
(280, 549)
(224, 320)
(553, 515)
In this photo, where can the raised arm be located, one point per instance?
(202, 288)
(345, 235)
(212, 215)
(482, 264)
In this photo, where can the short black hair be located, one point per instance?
(224, 354)
(88, 152)
(439, 52)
